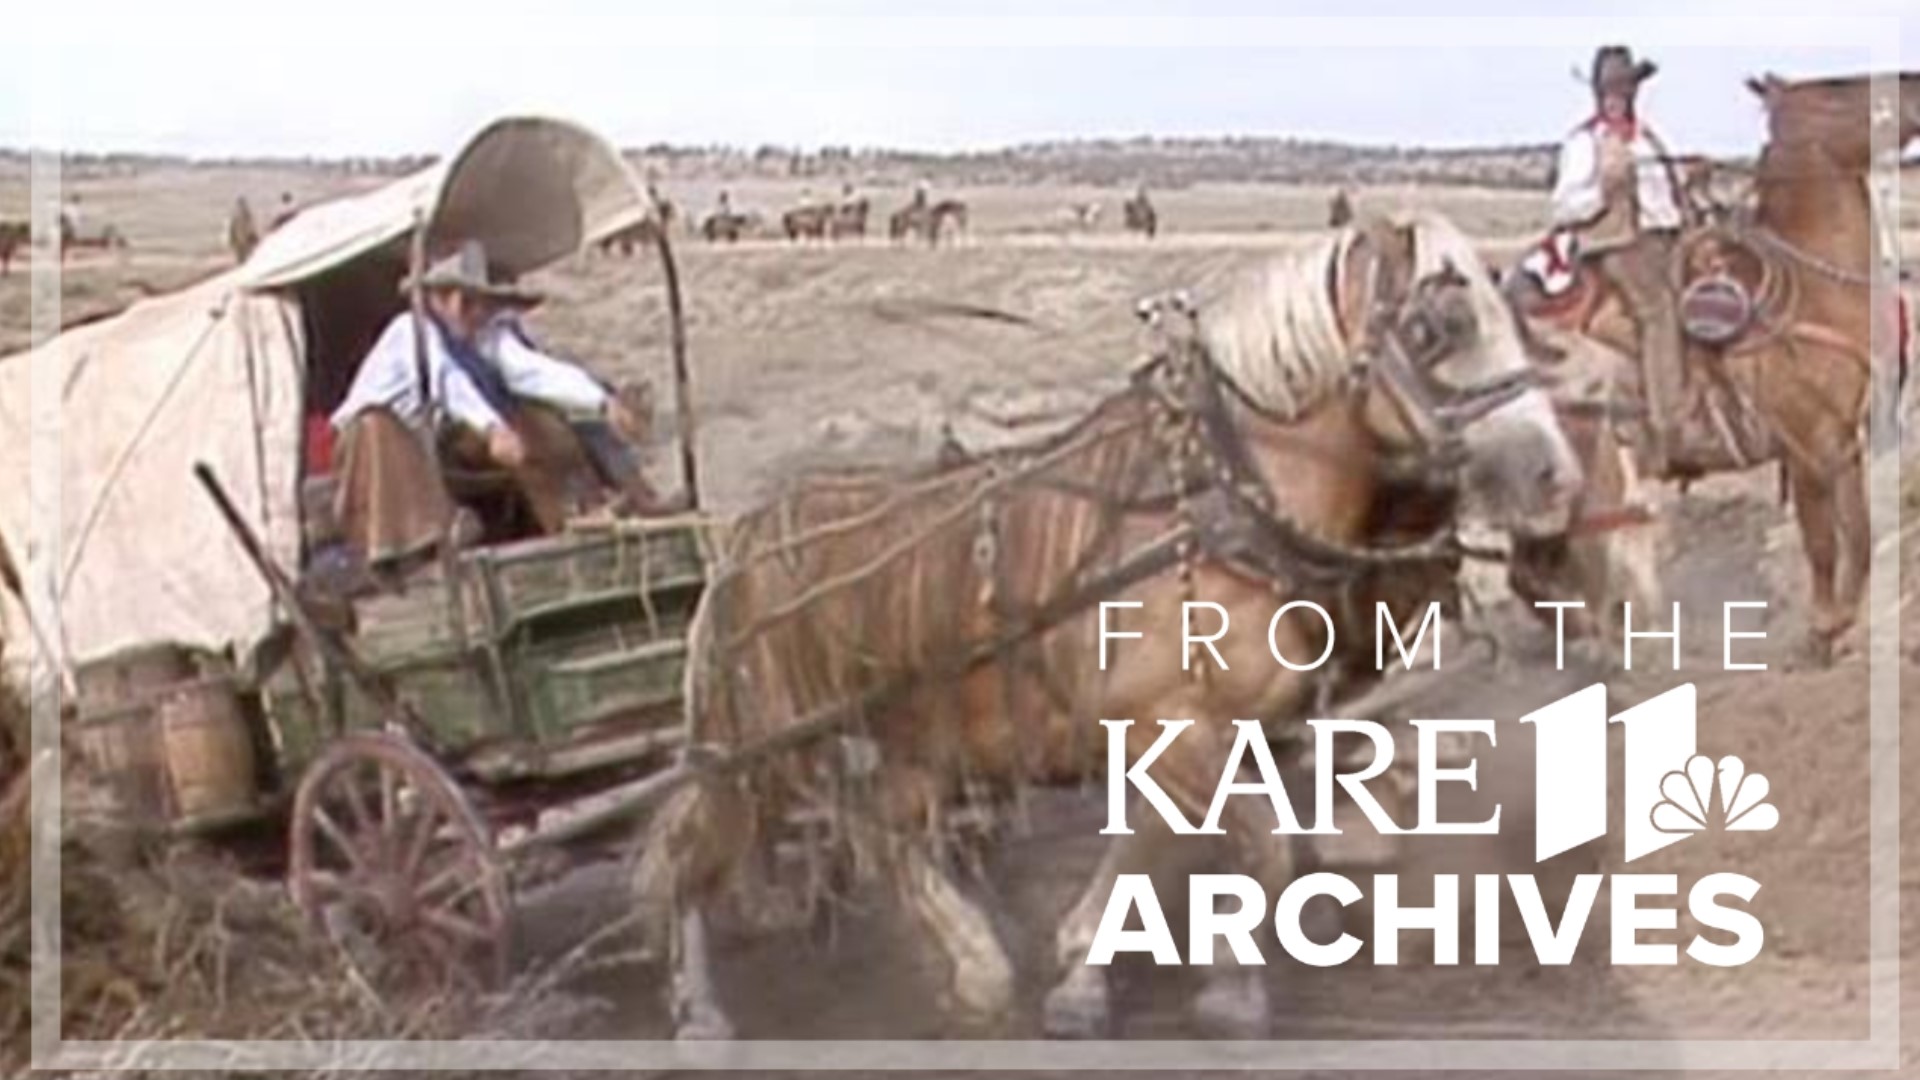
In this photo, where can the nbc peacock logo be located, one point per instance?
(1705, 794)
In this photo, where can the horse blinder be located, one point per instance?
(1437, 320)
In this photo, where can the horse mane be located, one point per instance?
(1274, 331)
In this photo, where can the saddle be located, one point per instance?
(1728, 296)
(1731, 297)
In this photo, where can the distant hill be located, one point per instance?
(1160, 163)
(1157, 162)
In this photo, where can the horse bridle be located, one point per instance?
(1407, 341)
(1406, 345)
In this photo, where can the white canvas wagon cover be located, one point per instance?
(132, 548)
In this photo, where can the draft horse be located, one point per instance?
(1313, 435)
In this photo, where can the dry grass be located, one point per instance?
(182, 946)
(175, 943)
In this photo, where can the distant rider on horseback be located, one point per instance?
(1615, 190)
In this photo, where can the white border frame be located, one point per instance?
(1877, 37)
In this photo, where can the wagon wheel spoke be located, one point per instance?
(426, 824)
(469, 885)
(355, 799)
(389, 799)
(405, 849)
(342, 842)
(448, 874)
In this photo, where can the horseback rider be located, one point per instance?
(242, 234)
(1615, 190)
(70, 217)
(1340, 210)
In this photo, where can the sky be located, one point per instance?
(230, 77)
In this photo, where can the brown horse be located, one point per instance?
(14, 235)
(728, 226)
(1795, 384)
(108, 238)
(849, 219)
(948, 217)
(1813, 374)
(1254, 462)
(806, 222)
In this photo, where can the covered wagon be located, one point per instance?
(162, 479)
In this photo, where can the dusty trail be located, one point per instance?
(1807, 728)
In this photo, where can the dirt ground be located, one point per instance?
(805, 356)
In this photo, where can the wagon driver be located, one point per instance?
(500, 403)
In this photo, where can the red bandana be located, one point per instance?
(1626, 130)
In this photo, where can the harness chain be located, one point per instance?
(1224, 512)
(1230, 517)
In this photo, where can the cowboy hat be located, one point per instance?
(468, 270)
(1614, 65)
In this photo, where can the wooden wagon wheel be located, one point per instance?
(384, 842)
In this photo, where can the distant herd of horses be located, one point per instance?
(930, 221)
(934, 222)
(17, 236)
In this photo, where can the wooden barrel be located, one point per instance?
(121, 745)
(129, 676)
(207, 745)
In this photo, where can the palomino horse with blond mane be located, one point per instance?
(1779, 302)
(1313, 436)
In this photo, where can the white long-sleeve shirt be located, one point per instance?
(537, 376)
(1577, 194)
(388, 378)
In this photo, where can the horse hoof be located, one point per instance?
(704, 1026)
(1077, 1009)
(700, 1019)
(1233, 1008)
(1817, 649)
(984, 993)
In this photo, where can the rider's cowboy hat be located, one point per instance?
(1615, 66)
(468, 270)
